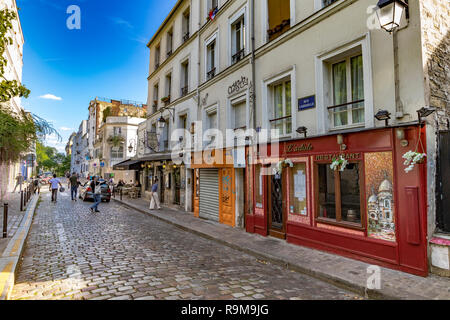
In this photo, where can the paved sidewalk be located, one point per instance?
(15, 217)
(12, 247)
(340, 271)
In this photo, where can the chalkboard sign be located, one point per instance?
(306, 103)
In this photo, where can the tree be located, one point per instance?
(25, 127)
(8, 88)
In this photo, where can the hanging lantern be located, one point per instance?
(390, 13)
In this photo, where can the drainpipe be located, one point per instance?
(253, 145)
(399, 111)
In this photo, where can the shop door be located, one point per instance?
(196, 192)
(277, 219)
(209, 194)
(161, 184)
(227, 196)
(177, 180)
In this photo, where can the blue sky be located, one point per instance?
(107, 57)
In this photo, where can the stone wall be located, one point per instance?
(436, 52)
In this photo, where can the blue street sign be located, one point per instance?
(306, 103)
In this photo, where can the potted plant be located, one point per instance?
(165, 99)
(412, 158)
(116, 141)
(339, 164)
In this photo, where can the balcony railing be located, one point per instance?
(350, 113)
(186, 36)
(156, 65)
(279, 29)
(283, 124)
(184, 91)
(169, 53)
(238, 56)
(211, 73)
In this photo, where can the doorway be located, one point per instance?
(275, 203)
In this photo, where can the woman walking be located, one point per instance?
(154, 200)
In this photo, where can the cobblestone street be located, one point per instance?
(121, 254)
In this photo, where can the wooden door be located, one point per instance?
(227, 196)
(276, 206)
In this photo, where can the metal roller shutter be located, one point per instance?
(209, 194)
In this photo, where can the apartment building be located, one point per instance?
(13, 71)
(80, 152)
(100, 110)
(309, 85)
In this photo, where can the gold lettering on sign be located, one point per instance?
(299, 148)
(330, 157)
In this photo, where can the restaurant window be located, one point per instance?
(339, 194)
(238, 39)
(348, 92)
(297, 189)
(282, 108)
(259, 186)
(279, 17)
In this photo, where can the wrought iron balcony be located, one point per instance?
(184, 91)
(238, 55)
(186, 36)
(169, 53)
(211, 73)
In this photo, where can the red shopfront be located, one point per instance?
(372, 211)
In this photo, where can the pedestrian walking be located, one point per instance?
(37, 185)
(19, 182)
(97, 193)
(54, 187)
(154, 199)
(74, 183)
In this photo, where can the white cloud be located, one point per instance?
(52, 141)
(66, 129)
(49, 96)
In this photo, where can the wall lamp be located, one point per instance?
(340, 142)
(401, 135)
(383, 115)
(390, 13)
(302, 130)
(161, 121)
(425, 112)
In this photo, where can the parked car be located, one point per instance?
(45, 178)
(86, 192)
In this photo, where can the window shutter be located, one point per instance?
(240, 115)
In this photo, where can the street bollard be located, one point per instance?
(21, 200)
(120, 194)
(5, 220)
(114, 192)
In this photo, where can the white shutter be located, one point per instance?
(209, 194)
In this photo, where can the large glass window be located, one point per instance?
(240, 117)
(238, 40)
(117, 152)
(339, 194)
(348, 92)
(279, 17)
(298, 189)
(211, 60)
(258, 186)
(282, 108)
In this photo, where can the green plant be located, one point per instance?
(116, 141)
(107, 113)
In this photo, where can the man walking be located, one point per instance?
(54, 187)
(154, 200)
(97, 192)
(19, 181)
(73, 183)
(37, 186)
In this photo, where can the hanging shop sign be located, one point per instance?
(299, 147)
(238, 86)
(306, 103)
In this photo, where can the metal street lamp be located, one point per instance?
(383, 115)
(161, 122)
(425, 112)
(390, 13)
